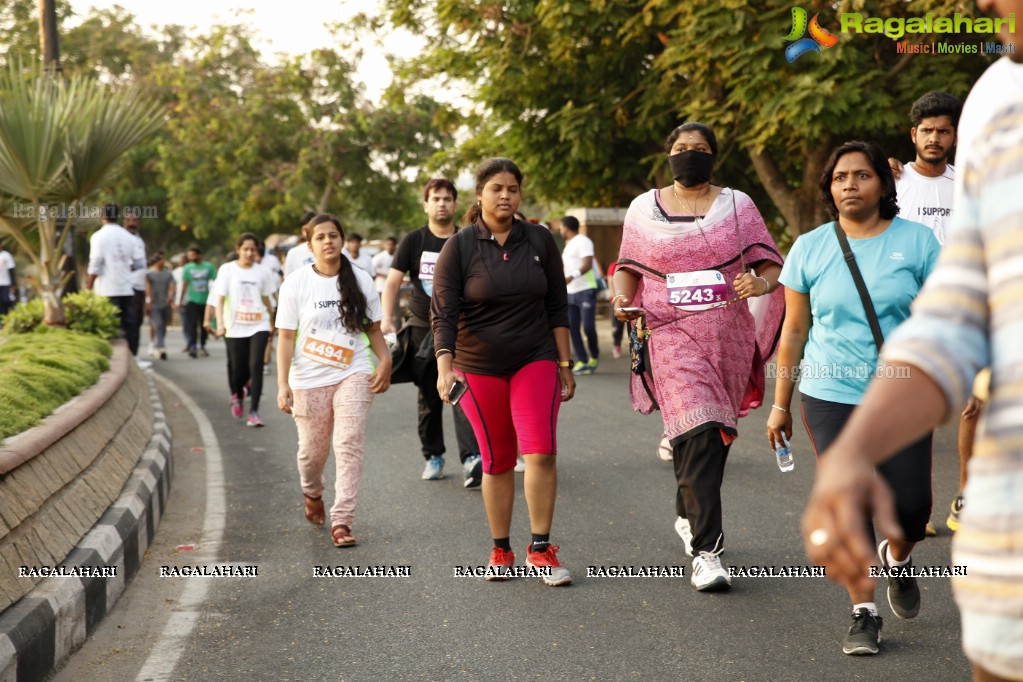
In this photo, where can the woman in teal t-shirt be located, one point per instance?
(826, 326)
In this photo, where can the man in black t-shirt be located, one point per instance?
(417, 255)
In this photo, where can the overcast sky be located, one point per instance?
(292, 26)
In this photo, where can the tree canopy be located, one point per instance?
(580, 92)
(250, 143)
(583, 92)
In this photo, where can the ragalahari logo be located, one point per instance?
(819, 37)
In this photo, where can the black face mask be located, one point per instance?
(691, 167)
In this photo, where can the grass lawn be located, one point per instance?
(42, 370)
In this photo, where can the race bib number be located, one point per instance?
(427, 264)
(248, 316)
(333, 350)
(699, 290)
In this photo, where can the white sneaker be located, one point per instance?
(664, 449)
(434, 470)
(520, 465)
(686, 533)
(143, 364)
(708, 573)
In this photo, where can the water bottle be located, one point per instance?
(784, 455)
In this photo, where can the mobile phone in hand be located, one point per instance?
(455, 392)
(631, 310)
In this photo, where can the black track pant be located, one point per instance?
(245, 363)
(699, 470)
(908, 473)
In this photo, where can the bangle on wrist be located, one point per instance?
(564, 363)
(779, 407)
(767, 285)
(442, 351)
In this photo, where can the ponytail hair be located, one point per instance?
(352, 305)
(484, 172)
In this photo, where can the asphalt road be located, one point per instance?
(615, 507)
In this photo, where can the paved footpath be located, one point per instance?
(236, 499)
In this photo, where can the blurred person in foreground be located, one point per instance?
(963, 320)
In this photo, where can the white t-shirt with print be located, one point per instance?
(114, 253)
(243, 290)
(577, 248)
(325, 352)
(925, 199)
(6, 263)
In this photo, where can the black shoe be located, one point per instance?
(192, 353)
(203, 352)
(864, 634)
(903, 592)
(163, 355)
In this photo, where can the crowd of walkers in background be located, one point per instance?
(498, 322)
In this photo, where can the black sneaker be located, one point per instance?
(864, 634)
(903, 592)
(203, 352)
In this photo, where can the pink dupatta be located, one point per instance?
(704, 369)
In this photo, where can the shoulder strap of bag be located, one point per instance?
(861, 286)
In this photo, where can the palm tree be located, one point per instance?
(60, 141)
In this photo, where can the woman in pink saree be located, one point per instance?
(698, 275)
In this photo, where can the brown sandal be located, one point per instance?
(342, 536)
(314, 512)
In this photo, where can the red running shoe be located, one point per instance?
(500, 559)
(556, 575)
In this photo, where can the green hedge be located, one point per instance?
(84, 311)
(44, 369)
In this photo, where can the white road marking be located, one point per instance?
(169, 647)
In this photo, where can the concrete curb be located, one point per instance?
(54, 619)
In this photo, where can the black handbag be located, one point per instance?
(408, 360)
(861, 287)
(402, 357)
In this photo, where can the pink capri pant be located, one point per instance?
(513, 414)
(335, 415)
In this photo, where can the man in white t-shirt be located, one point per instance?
(382, 263)
(8, 281)
(925, 187)
(299, 255)
(353, 249)
(925, 191)
(581, 280)
(138, 277)
(114, 253)
(381, 268)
